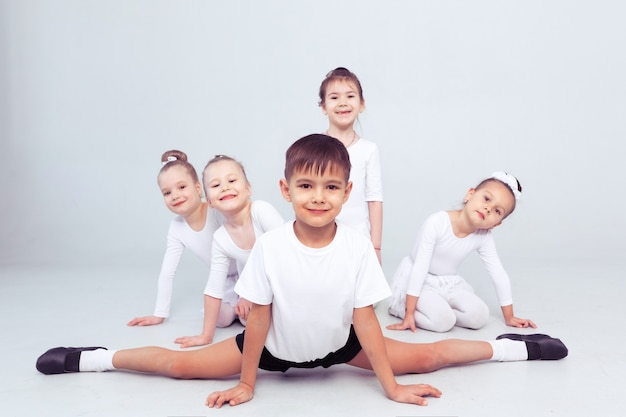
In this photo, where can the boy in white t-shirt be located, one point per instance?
(291, 272)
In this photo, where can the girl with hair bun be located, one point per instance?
(192, 228)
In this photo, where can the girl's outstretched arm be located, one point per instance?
(511, 320)
(165, 284)
(369, 333)
(211, 312)
(256, 332)
(408, 322)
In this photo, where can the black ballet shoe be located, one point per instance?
(61, 360)
(539, 346)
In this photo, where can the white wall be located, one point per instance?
(92, 92)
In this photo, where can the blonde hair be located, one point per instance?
(219, 158)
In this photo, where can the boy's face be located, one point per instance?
(316, 198)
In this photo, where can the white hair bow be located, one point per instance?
(509, 180)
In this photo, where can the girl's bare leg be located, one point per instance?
(412, 358)
(215, 361)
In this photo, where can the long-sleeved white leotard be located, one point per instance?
(366, 178)
(179, 237)
(437, 251)
(220, 285)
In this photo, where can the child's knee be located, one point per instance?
(177, 367)
(226, 316)
(475, 319)
(224, 322)
(433, 358)
(442, 322)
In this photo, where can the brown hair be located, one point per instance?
(174, 158)
(317, 153)
(339, 74)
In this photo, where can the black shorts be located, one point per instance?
(345, 354)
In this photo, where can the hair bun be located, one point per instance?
(173, 155)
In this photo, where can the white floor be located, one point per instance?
(43, 307)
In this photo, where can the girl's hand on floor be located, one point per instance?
(407, 323)
(189, 341)
(145, 321)
(517, 322)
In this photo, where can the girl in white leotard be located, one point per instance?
(228, 191)
(428, 292)
(341, 99)
(192, 228)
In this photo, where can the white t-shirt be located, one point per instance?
(220, 285)
(179, 237)
(366, 178)
(313, 291)
(438, 251)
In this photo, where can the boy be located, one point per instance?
(313, 284)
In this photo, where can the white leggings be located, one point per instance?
(446, 301)
(226, 315)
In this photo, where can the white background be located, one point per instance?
(92, 92)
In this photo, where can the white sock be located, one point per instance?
(98, 360)
(505, 350)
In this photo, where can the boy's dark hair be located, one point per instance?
(317, 153)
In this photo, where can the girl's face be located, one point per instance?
(487, 206)
(182, 196)
(226, 186)
(342, 103)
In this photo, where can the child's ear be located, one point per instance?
(199, 189)
(348, 191)
(469, 194)
(284, 189)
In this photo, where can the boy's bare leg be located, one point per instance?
(411, 358)
(215, 361)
